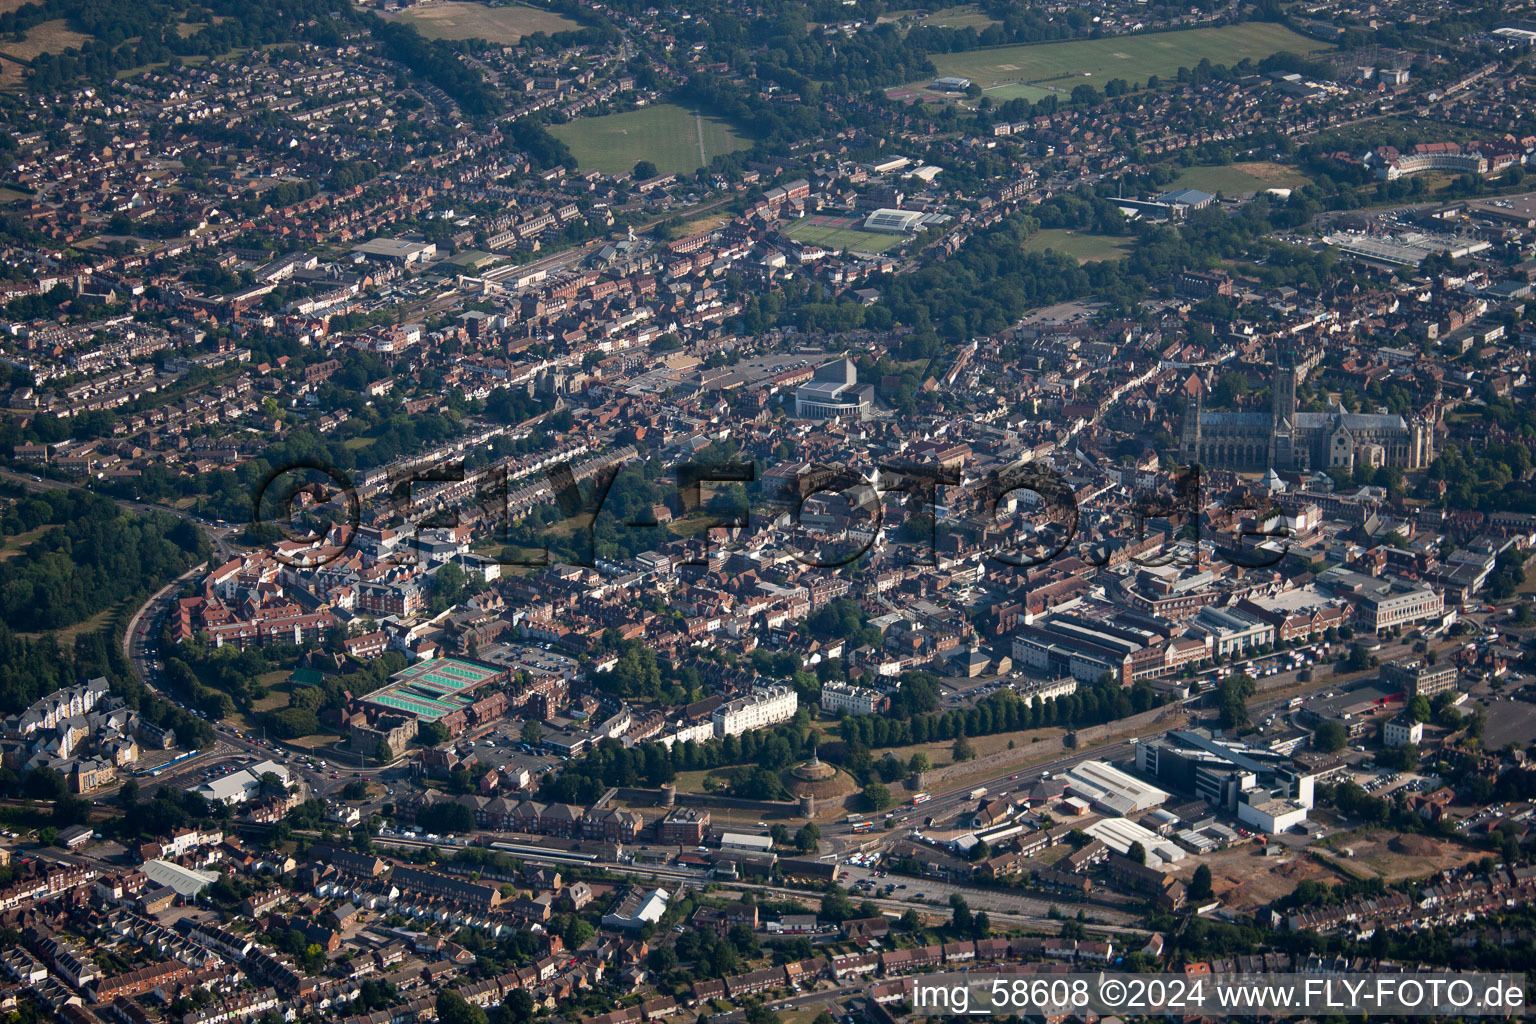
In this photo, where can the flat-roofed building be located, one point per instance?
(1112, 790)
(894, 222)
(834, 391)
(1419, 678)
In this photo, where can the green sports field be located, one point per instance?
(1132, 58)
(964, 16)
(843, 238)
(676, 140)
(1081, 246)
(1017, 91)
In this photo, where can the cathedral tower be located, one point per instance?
(1283, 411)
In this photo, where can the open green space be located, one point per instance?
(676, 140)
(1018, 91)
(505, 25)
(844, 238)
(963, 16)
(1239, 179)
(1080, 245)
(1132, 58)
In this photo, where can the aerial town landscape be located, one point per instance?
(565, 511)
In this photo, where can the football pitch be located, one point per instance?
(812, 230)
(1133, 58)
(677, 141)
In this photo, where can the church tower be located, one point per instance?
(1189, 435)
(1282, 428)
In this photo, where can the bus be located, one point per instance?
(860, 827)
(1296, 702)
(921, 798)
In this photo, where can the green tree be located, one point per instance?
(1330, 736)
(453, 1008)
(1232, 700)
(877, 796)
(836, 906)
(960, 915)
(576, 933)
(1200, 883)
(1137, 853)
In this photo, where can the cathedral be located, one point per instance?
(1301, 441)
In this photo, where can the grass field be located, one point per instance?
(12, 546)
(843, 238)
(964, 16)
(504, 25)
(1238, 179)
(49, 37)
(676, 140)
(1132, 58)
(1081, 246)
(1018, 91)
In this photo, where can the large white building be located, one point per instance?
(1111, 790)
(894, 222)
(1271, 816)
(1233, 632)
(834, 391)
(238, 787)
(768, 705)
(839, 698)
(637, 909)
(1120, 834)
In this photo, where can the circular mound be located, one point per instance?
(813, 770)
(1413, 846)
(827, 783)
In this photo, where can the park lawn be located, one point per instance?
(278, 689)
(964, 16)
(1080, 245)
(941, 752)
(12, 546)
(159, 65)
(844, 238)
(10, 195)
(1240, 179)
(1132, 58)
(676, 140)
(504, 25)
(47, 37)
